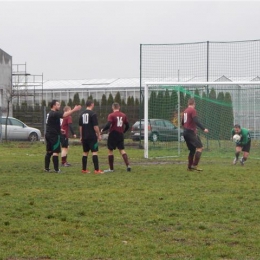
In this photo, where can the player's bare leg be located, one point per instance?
(125, 157)
(197, 159)
(110, 161)
(237, 153)
(244, 158)
(64, 152)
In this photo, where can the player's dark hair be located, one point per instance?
(116, 105)
(237, 126)
(53, 102)
(89, 102)
(191, 101)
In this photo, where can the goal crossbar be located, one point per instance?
(203, 83)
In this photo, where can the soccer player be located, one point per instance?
(89, 136)
(190, 122)
(117, 124)
(53, 133)
(66, 125)
(243, 144)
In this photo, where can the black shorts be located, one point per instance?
(115, 140)
(90, 145)
(53, 143)
(64, 141)
(246, 147)
(192, 139)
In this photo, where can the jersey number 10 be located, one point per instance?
(85, 118)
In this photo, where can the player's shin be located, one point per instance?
(47, 160)
(111, 162)
(95, 162)
(197, 158)
(55, 160)
(190, 160)
(191, 157)
(125, 157)
(84, 162)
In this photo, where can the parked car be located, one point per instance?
(158, 130)
(255, 134)
(17, 130)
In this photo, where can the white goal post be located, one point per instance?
(177, 85)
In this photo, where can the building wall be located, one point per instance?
(5, 80)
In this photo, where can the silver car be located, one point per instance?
(17, 130)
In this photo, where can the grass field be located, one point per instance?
(158, 211)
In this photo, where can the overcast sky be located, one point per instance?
(101, 39)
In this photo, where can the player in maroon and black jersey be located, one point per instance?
(190, 122)
(66, 125)
(117, 124)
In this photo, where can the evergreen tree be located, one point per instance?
(123, 105)
(43, 103)
(118, 98)
(136, 109)
(204, 110)
(131, 113)
(212, 116)
(90, 97)
(174, 105)
(187, 97)
(182, 101)
(17, 108)
(151, 105)
(103, 108)
(198, 102)
(83, 102)
(128, 105)
(70, 103)
(167, 106)
(96, 103)
(229, 118)
(76, 99)
(103, 100)
(37, 107)
(130, 108)
(221, 114)
(159, 107)
(62, 103)
(110, 100)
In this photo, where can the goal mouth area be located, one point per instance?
(203, 86)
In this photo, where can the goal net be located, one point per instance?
(219, 105)
(224, 79)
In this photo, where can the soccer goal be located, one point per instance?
(219, 105)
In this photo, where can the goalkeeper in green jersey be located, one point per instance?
(243, 144)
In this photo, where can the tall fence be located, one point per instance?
(36, 117)
(200, 61)
(237, 61)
